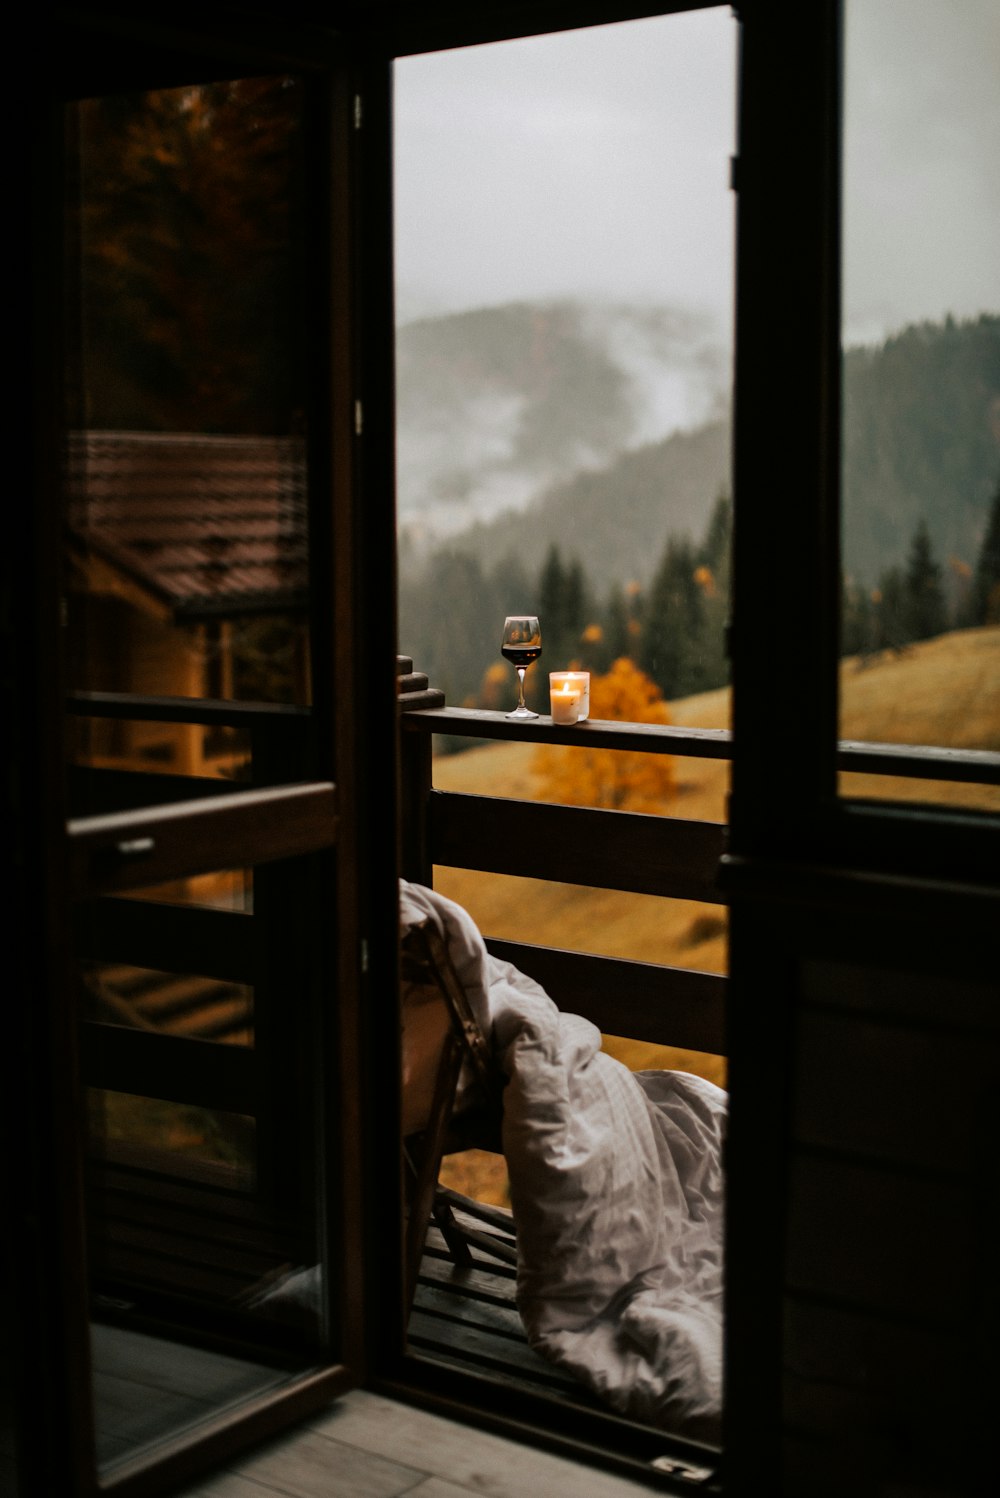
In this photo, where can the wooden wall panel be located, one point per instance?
(915, 1097)
(890, 1314)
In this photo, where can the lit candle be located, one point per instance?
(581, 679)
(564, 697)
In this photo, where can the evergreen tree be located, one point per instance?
(552, 595)
(674, 621)
(857, 622)
(714, 577)
(889, 612)
(984, 601)
(576, 599)
(192, 314)
(616, 641)
(563, 607)
(715, 549)
(923, 606)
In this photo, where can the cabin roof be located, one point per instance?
(208, 525)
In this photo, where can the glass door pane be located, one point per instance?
(203, 1160)
(186, 454)
(203, 1021)
(920, 625)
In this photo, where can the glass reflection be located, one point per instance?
(216, 751)
(186, 466)
(186, 568)
(175, 1139)
(920, 618)
(168, 1003)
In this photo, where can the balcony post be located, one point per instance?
(415, 757)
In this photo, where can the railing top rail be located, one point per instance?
(913, 761)
(205, 710)
(651, 738)
(922, 761)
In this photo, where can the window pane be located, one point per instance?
(168, 1003)
(186, 462)
(223, 889)
(920, 628)
(173, 1138)
(198, 1024)
(161, 748)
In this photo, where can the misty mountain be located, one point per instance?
(921, 442)
(616, 521)
(497, 404)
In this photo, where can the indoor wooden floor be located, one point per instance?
(367, 1446)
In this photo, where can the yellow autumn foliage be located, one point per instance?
(617, 779)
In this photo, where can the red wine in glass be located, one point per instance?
(521, 643)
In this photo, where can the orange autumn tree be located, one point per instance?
(617, 779)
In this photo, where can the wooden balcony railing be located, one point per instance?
(576, 845)
(635, 852)
(627, 851)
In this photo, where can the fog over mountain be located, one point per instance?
(498, 404)
(610, 425)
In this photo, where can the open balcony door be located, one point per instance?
(209, 892)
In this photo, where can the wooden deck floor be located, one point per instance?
(467, 1318)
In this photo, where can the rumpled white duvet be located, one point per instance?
(617, 1195)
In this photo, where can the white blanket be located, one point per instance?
(617, 1194)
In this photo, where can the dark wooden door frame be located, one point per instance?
(354, 701)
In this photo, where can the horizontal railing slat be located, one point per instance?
(640, 1000)
(920, 761)
(201, 1073)
(99, 792)
(167, 938)
(207, 710)
(631, 851)
(132, 849)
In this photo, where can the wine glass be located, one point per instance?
(521, 644)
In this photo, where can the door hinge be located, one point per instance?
(359, 419)
(364, 954)
(357, 111)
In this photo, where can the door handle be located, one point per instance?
(135, 847)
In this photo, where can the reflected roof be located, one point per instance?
(207, 525)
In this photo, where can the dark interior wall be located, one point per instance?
(878, 1298)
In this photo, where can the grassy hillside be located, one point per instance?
(943, 692)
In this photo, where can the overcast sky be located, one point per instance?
(596, 163)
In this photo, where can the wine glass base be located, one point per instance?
(521, 712)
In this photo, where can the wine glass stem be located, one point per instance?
(520, 685)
